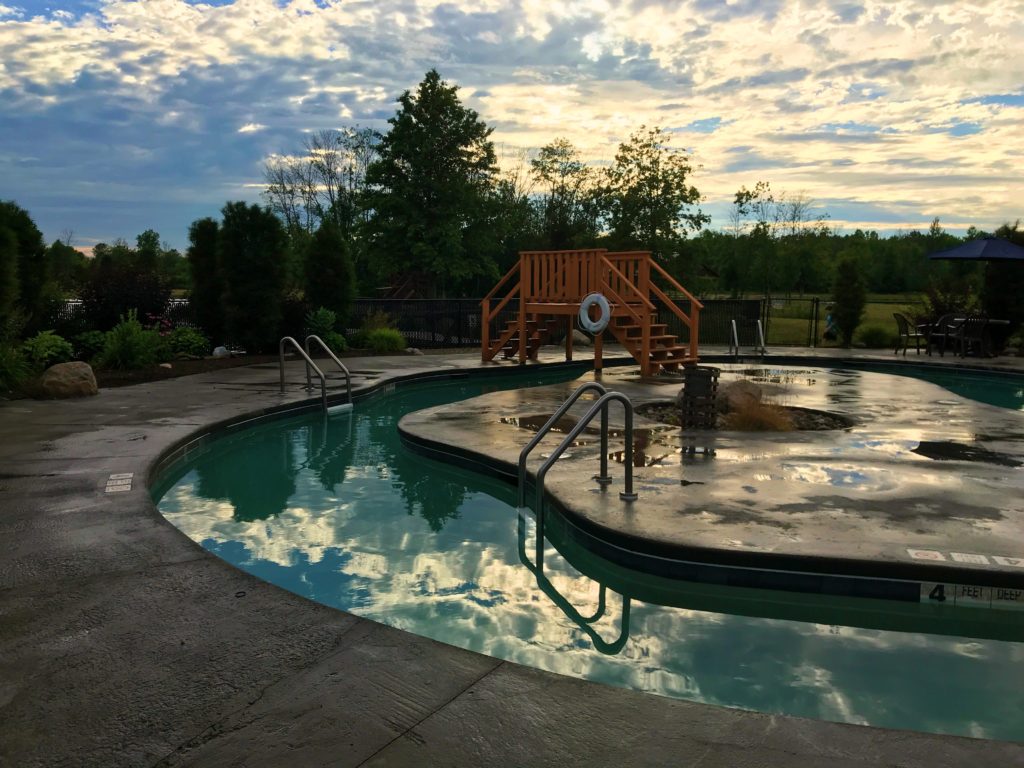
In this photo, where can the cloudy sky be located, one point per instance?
(122, 115)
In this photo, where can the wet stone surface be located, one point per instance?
(912, 467)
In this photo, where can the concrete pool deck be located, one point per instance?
(122, 642)
(924, 486)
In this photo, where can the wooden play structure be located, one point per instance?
(549, 286)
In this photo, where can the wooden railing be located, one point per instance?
(561, 279)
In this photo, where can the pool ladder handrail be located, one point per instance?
(734, 342)
(309, 364)
(590, 386)
(599, 406)
(334, 357)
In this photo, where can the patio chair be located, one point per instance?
(907, 331)
(940, 334)
(971, 336)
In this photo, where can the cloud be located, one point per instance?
(162, 98)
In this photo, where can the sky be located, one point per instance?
(118, 116)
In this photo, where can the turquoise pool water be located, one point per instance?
(994, 389)
(339, 511)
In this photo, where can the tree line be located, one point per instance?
(356, 211)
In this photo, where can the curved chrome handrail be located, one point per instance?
(600, 406)
(334, 357)
(309, 364)
(590, 385)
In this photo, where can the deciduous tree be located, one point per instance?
(647, 200)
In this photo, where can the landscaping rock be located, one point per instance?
(165, 365)
(68, 380)
(737, 394)
(221, 352)
(413, 351)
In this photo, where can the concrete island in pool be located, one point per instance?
(124, 643)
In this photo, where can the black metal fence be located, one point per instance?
(455, 323)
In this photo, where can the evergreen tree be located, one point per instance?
(330, 275)
(33, 273)
(430, 191)
(849, 297)
(251, 250)
(8, 279)
(207, 279)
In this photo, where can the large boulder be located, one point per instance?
(68, 380)
(737, 395)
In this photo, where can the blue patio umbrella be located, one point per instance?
(983, 249)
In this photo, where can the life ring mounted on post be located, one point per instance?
(598, 325)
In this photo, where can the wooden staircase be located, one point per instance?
(545, 290)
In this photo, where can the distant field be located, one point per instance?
(790, 323)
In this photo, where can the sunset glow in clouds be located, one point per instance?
(119, 116)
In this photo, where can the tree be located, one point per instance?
(325, 182)
(33, 272)
(849, 297)
(330, 276)
(645, 196)
(251, 251)
(568, 211)
(207, 279)
(68, 265)
(430, 190)
(8, 280)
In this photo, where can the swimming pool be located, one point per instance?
(338, 511)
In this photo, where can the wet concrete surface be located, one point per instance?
(920, 470)
(123, 643)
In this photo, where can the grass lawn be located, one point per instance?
(790, 323)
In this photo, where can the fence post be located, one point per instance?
(812, 327)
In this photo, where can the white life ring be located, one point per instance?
(598, 325)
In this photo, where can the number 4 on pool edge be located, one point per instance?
(938, 593)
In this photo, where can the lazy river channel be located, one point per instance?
(337, 510)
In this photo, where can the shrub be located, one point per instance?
(849, 297)
(188, 341)
(381, 340)
(13, 368)
(45, 349)
(129, 346)
(330, 276)
(755, 416)
(876, 337)
(322, 323)
(89, 344)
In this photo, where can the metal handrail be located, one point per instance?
(590, 385)
(734, 342)
(309, 364)
(600, 406)
(334, 357)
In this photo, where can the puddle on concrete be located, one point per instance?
(643, 456)
(942, 450)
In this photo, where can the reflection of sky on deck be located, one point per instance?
(348, 518)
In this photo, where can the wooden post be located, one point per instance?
(598, 348)
(485, 329)
(525, 283)
(568, 339)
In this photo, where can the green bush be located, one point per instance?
(89, 344)
(45, 349)
(13, 368)
(382, 340)
(875, 337)
(188, 341)
(322, 323)
(129, 346)
(849, 298)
